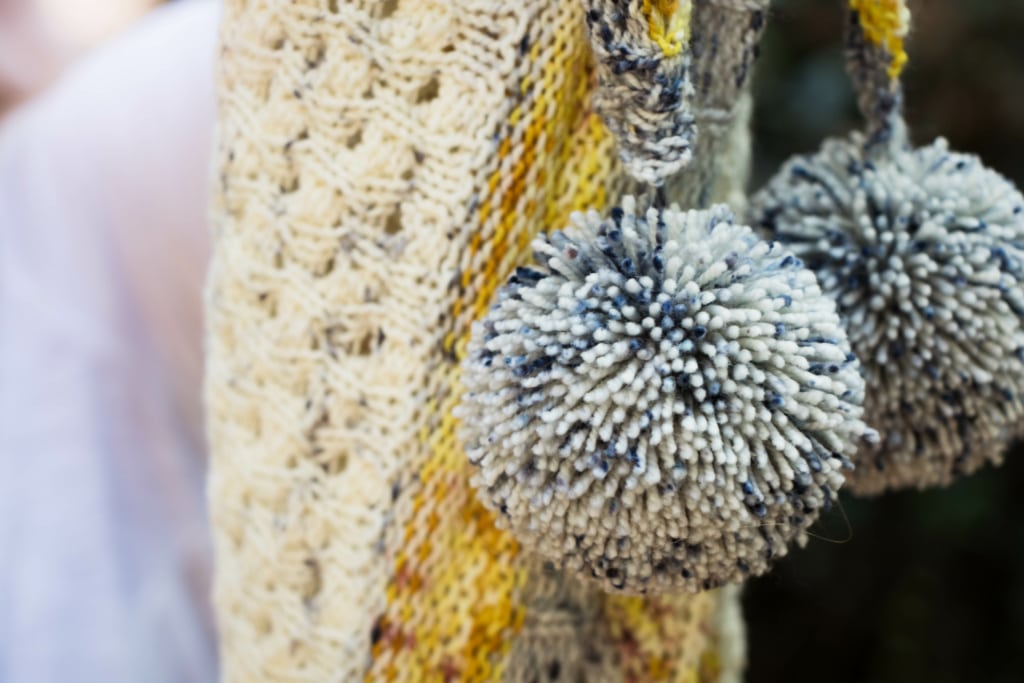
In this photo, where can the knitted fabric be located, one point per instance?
(381, 168)
(645, 95)
(883, 26)
(875, 31)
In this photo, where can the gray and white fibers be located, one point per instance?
(923, 250)
(664, 401)
(644, 96)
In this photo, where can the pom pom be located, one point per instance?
(663, 402)
(922, 249)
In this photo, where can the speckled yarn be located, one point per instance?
(923, 251)
(664, 401)
(645, 95)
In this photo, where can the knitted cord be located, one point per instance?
(874, 32)
(645, 92)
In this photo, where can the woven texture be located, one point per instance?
(381, 168)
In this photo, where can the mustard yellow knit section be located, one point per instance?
(553, 158)
(668, 22)
(663, 638)
(886, 23)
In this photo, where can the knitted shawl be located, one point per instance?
(381, 167)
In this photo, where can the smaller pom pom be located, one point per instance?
(923, 250)
(663, 402)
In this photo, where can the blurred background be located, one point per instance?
(928, 586)
(106, 116)
(39, 38)
(908, 587)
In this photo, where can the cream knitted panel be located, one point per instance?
(382, 167)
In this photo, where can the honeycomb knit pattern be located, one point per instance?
(381, 168)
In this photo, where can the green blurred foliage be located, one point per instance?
(913, 586)
(965, 80)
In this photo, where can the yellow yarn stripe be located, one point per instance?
(668, 22)
(467, 569)
(886, 23)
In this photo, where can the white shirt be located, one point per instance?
(104, 547)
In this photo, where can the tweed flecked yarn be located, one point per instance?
(381, 168)
(875, 34)
(663, 402)
(645, 96)
(923, 251)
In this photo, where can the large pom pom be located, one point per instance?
(664, 401)
(923, 251)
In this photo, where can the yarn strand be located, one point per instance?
(875, 33)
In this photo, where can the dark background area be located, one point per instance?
(911, 586)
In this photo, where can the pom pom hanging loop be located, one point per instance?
(875, 31)
(645, 93)
(670, 76)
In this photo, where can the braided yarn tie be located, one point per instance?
(645, 94)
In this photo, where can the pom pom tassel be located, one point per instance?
(664, 401)
(923, 251)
